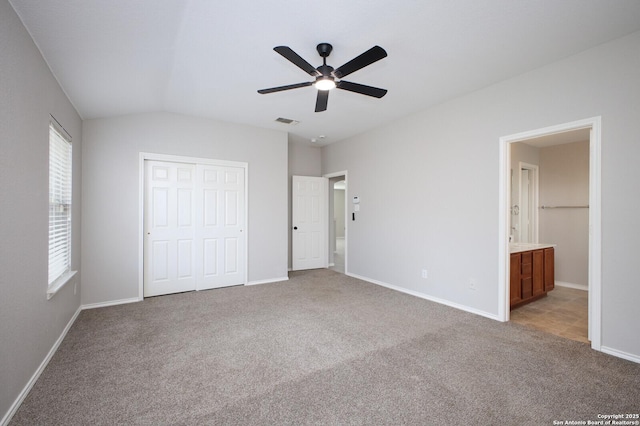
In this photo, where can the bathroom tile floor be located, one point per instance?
(564, 312)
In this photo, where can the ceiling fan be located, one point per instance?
(328, 78)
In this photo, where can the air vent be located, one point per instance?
(287, 121)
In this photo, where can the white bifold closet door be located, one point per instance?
(194, 227)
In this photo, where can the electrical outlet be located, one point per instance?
(425, 274)
(472, 284)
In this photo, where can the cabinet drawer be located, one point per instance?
(526, 269)
(527, 257)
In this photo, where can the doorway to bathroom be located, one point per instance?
(564, 206)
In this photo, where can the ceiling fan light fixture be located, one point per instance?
(328, 78)
(325, 83)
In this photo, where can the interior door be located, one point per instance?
(169, 228)
(194, 226)
(220, 218)
(309, 222)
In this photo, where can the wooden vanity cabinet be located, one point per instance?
(549, 269)
(531, 275)
(515, 288)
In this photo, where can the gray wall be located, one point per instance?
(564, 181)
(110, 174)
(29, 323)
(428, 184)
(304, 160)
(520, 151)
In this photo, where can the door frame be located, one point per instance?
(595, 225)
(344, 173)
(144, 156)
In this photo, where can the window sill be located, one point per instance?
(59, 283)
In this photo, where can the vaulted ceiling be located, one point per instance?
(209, 57)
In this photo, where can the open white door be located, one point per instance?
(309, 222)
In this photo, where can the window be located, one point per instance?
(59, 208)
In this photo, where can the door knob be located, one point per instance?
(295, 227)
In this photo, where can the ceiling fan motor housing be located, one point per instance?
(325, 71)
(324, 49)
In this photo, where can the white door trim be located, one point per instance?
(144, 156)
(346, 213)
(595, 225)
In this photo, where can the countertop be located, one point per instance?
(520, 247)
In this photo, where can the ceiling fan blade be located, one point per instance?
(361, 88)
(297, 60)
(281, 88)
(321, 100)
(367, 58)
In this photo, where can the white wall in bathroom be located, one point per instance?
(564, 181)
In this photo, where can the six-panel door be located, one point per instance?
(194, 227)
(309, 222)
(169, 228)
(220, 209)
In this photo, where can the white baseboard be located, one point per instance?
(572, 285)
(621, 354)
(271, 280)
(427, 297)
(25, 391)
(110, 303)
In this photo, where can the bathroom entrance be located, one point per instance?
(554, 174)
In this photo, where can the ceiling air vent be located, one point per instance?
(287, 121)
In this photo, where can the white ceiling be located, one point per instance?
(208, 57)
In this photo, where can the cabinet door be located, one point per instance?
(526, 274)
(538, 272)
(549, 271)
(515, 289)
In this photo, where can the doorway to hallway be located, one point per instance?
(338, 223)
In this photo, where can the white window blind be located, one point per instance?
(59, 204)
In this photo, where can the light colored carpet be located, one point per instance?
(321, 348)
